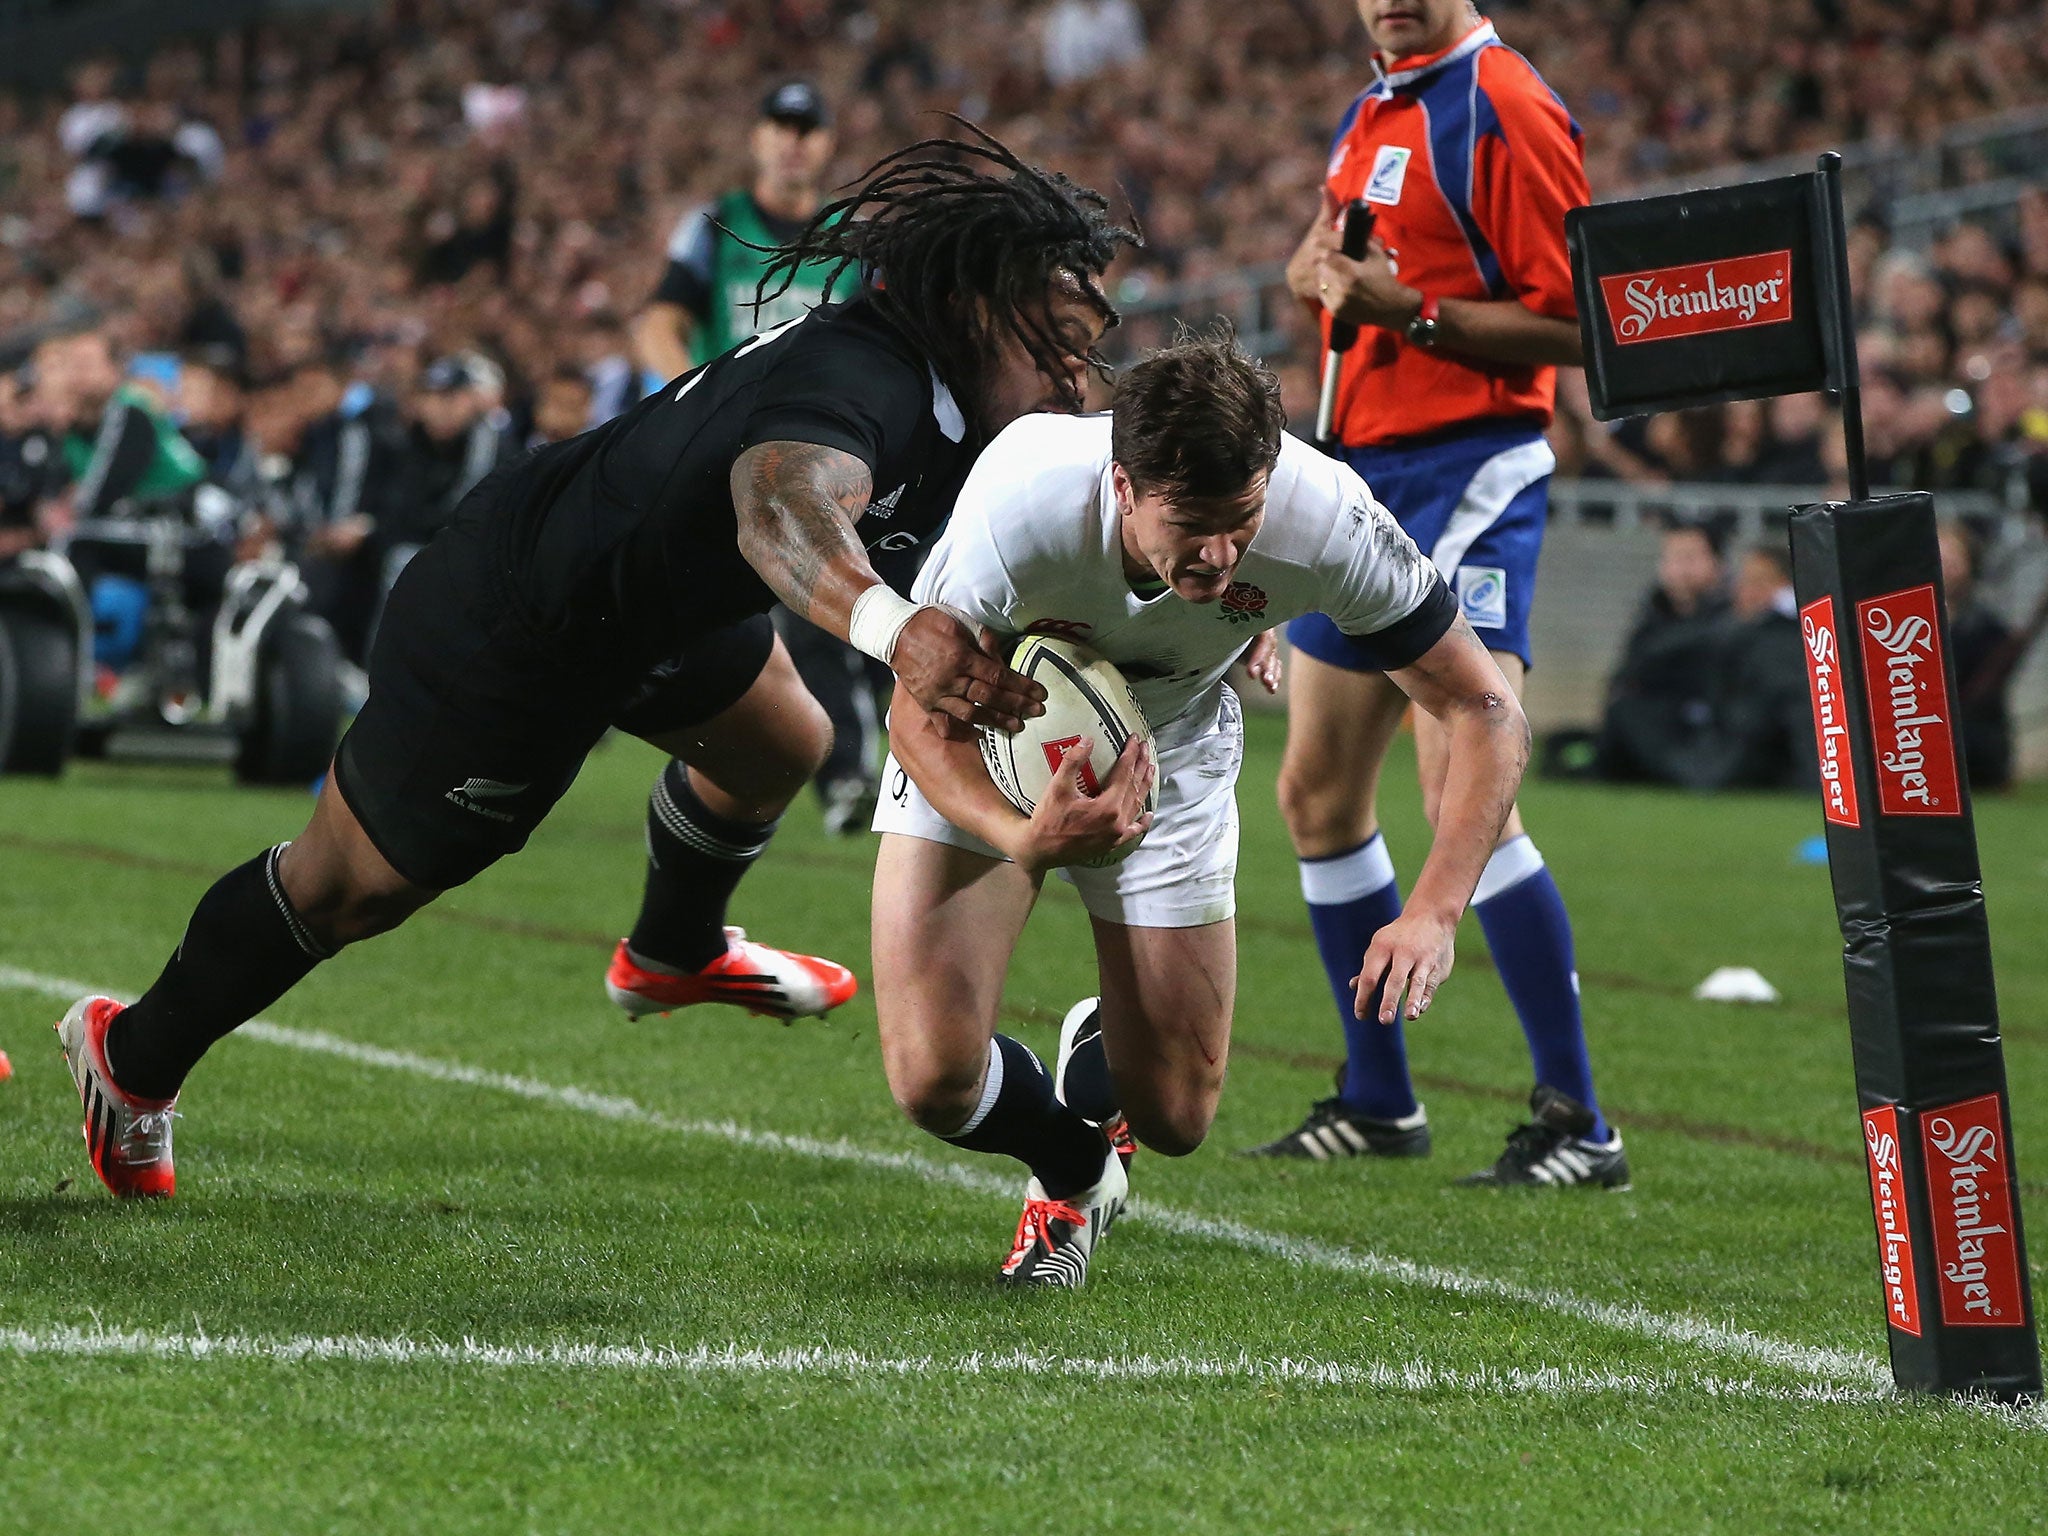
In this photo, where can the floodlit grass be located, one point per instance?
(740, 1294)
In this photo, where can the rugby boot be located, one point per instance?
(129, 1138)
(1332, 1130)
(1056, 1238)
(1554, 1149)
(771, 982)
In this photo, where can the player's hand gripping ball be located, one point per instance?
(1085, 695)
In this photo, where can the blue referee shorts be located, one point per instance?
(1475, 502)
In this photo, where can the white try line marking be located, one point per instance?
(1413, 1376)
(1665, 1328)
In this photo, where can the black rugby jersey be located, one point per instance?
(624, 540)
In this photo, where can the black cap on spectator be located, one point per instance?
(797, 103)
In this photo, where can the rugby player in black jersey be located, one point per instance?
(624, 578)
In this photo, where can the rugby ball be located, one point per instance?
(1085, 695)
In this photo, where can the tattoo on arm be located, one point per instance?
(796, 504)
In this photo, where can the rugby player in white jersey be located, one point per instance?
(1166, 535)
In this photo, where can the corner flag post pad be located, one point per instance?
(1738, 293)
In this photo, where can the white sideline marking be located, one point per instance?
(1665, 1328)
(1414, 1376)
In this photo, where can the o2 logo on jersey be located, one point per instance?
(1483, 596)
(1389, 173)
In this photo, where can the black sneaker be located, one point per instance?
(1331, 1130)
(1553, 1149)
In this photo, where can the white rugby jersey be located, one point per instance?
(1034, 546)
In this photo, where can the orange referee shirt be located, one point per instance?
(1469, 161)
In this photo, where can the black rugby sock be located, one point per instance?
(1089, 1090)
(244, 949)
(695, 859)
(1019, 1117)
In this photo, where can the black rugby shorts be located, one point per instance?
(476, 725)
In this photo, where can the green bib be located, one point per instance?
(736, 275)
(174, 467)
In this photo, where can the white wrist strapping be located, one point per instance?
(877, 620)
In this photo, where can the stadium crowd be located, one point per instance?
(440, 219)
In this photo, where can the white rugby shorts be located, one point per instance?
(1184, 874)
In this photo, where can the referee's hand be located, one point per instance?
(950, 670)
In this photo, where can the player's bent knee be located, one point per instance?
(798, 751)
(935, 1095)
(939, 1105)
(1319, 808)
(1175, 1122)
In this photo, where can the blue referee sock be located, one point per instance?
(1351, 896)
(1522, 915)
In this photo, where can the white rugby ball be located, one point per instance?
(1085, 695)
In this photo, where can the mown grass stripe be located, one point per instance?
(1818, 1363)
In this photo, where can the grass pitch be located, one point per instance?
(458, 1249)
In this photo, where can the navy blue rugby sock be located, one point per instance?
(1351, 896)
(1523, 916)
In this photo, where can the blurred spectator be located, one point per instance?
(1660, 699)
(1791, 451)
(563, 407)
(1086, 37)
(474, 231)
(114, 442)
(457, 432)
(1761, 735)
(1986, 654)
(212, 407)
(1710, 693)
(27, 465)
(349, 450)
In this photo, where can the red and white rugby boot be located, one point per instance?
(129, 1137)
(772, 982)
(1056, 1238)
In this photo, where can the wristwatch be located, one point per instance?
(1423, 328)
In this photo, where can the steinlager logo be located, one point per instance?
(1888, 1198)
(1830, 718)
(1907, 685)
(1970, 1190)
(1726, 295)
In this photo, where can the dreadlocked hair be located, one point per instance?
(939, 225)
